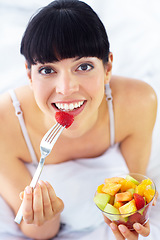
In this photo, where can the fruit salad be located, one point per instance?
(126, 200)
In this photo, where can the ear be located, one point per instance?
(108, 68)
(28, 70)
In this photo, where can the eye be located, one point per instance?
(46, 70)
(85, 67)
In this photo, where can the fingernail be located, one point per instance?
(113, 226)
(21, 195)
(37, 185)
(28, 190)
(47, 183)
(40, 182)
(122, 228)
(137, 226)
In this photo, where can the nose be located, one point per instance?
(67, 84)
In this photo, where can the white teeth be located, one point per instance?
(69, 106)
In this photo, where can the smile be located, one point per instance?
(69, 106)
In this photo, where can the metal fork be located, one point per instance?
(46, 146)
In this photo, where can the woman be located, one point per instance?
(69, 64)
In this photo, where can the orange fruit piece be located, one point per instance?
(149, 194)
(99, 188)
(145, 184)
(118, 204)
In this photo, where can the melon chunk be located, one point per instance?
(133, 180)
(132, 190)
(113, 212)
(101, 199)
(123, 197)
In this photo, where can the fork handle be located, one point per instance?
(33, 183)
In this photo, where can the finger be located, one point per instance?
(57, 204)
(107, 220)
(127, 234)
(142, 230)
(116, 232)
(47, 207)
(38, 205)
(27, 205)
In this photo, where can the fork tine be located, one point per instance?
(56, 134)
(53, 133)
(49, 131)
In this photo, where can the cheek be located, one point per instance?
(95, 86)
(41, 92)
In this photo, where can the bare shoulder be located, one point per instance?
(11, 135)
(8, 122)
(135, 101)
(133, 90)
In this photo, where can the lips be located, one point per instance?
(73, 108)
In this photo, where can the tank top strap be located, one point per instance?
(109, 99)
(19, 114)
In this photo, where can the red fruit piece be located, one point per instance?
(65, 119)
(139, 200)
(136, 217)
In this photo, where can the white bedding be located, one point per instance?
(133, 27)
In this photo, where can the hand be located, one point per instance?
(40, 204)
(121, 232)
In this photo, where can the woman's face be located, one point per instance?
(74, 85)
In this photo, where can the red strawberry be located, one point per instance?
(139, 200)
(64, 119)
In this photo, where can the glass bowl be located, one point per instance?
(140, 216)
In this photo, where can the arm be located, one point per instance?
(44, 215)
(14, 177)
(141, 109)
(138, 111)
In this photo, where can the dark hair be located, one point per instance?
(64, 29)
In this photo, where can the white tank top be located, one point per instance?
(19, 114)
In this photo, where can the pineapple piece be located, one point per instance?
(128, 208)
(115, 180)
(111, 188)
(127, 184)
